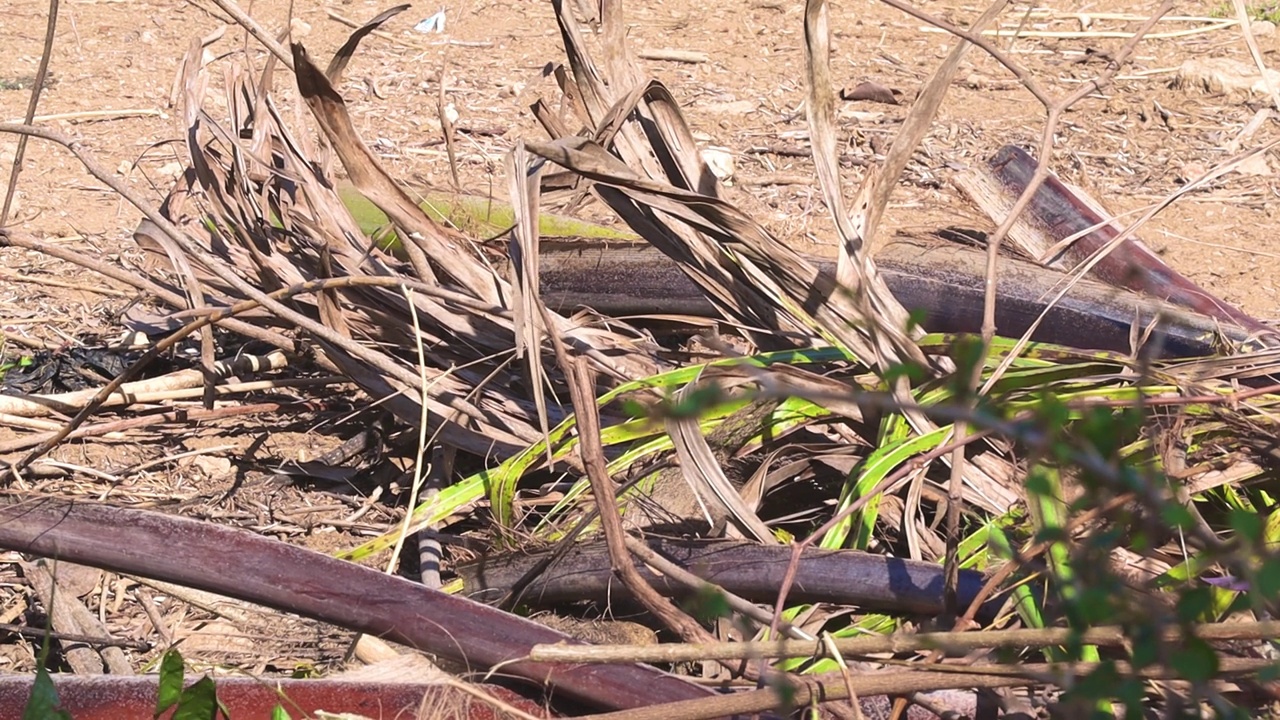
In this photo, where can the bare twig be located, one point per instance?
(252, 27)
(824, 688)
(582, 389)
(886, 485)
(182, 415)
(951, 643)
(42, 74)
(68, 614)
(92, 115)
(12, 276)
(647, 555)
(1120, 238)
(1054, 111)
(38, 405)
(212, 318)
(673, 55)
(145, 284)
(877, 187)
(91, 640)
(976, 38)
(247, 566)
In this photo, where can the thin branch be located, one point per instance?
(91, 640)
(253, 28)
(955, 486)
(828, 687)
(591, 450)
(37, 87)
(651, 558)
(1024, 77)
(886, 485)
(174, 416)
(951, 643)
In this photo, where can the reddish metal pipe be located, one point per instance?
(106, 697)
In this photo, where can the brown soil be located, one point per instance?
(1130, 145)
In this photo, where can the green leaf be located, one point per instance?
(1269, 578)
(171, 681)
(786, 692)
(1246, 524)
(279, 713)
(1176, 516)
(1039, 483)
(897, 446)
(1146, 646)
(1195, 604)
(692, 404)
(43, 703)
(633, 408)
(1099, 683)
(1195, 661)
(198, 702)
(872, 624)
(967, 352)
(1271, 531)
(1131, 692)
(707, 604)
(1184, 571)
(1053, 413)
(911, 371)
(1096, 604)
(915, 319)
(980, 548)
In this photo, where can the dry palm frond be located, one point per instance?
(643, 163)
(260, 198)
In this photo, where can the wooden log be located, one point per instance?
(753, 571)
(942, 281)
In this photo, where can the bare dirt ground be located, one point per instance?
(114, 65)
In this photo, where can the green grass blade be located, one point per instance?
(867, 474)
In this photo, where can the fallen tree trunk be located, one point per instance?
(753, 571)
(942, 281)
